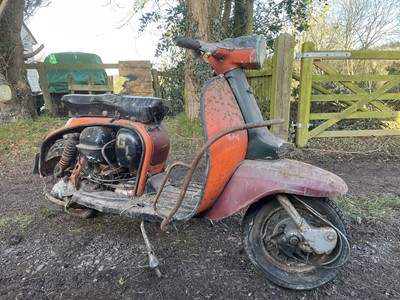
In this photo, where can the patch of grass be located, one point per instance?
(23, 221)
(4, 222)
(186, 136)
(121, 281)
(183, 127)
(22, 138)
(49, 212)
(369, 206)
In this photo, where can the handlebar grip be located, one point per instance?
(187, 43)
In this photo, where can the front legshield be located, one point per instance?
(255, 179)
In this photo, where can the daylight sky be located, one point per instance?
(91, 26)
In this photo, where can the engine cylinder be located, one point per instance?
(91, 142)
(128, 148)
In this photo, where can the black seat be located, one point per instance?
(135, 108)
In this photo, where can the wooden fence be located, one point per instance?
(354, 101)
(272, 87)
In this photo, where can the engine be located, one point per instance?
(107, 159)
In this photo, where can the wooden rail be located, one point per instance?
(358, 102)
(90, 87)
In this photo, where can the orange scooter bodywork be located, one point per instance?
(219, 112)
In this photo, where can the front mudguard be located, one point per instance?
(255, 179)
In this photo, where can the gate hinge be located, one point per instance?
(300, 125)
(300, 55)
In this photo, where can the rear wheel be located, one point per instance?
(80, 211)
(281, 256)
(75, 210)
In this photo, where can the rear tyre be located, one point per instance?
(285, 263)
(75, 210)
(80, 211)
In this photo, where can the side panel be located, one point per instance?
(160, 139)
(219, 112)
(254, 180)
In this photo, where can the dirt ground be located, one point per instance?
(47, 254)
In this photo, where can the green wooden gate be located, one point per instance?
(354, 100)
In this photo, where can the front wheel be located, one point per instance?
(280, 253)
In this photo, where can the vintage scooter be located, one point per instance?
(111, 156)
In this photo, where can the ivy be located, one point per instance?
(271, 17)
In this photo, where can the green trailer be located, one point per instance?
(58, 78)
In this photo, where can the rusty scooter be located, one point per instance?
(111, 156)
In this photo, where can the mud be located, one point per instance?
(47, 254)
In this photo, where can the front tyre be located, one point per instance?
(281, 257)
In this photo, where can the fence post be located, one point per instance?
(44, 85)
(303, 109)
(281, 83)
(156, 83)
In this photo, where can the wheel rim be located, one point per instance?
(279, 251)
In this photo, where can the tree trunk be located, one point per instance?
(249, 16)
(226, 15)
(12, 65)
(239, 18)
(203, 13)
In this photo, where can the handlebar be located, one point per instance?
(187, 43)
(195, 45)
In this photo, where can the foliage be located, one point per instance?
(31, 6)
(172, 21)
(171, 89)
(273, 17)
(270, 19)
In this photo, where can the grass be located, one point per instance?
(369, 206)
(23, 138)
(4, 222)
(23, 222)
(186, 137)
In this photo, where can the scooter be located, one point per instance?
(111, 156)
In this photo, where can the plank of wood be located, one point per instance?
(345, 113)
(303, 110)
(281, 84)
(351, 86)
(347, 133)
(357, 115)
(351, 97)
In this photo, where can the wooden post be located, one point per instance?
(44, 85)
(110, 83)
(303, 110)
(156, 83)
(70, 82)
(90, 84)
(139, 75)
(281, 83)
